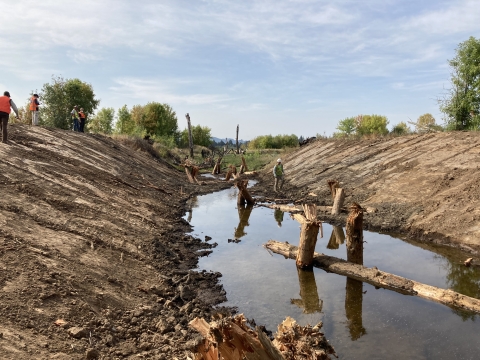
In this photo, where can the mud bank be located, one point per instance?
(94, 260)
(423, 186)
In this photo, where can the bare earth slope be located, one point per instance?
(91, 235)
(424, 185)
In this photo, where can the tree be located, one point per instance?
(462, 101)
(346, 126)
(60, 96)
(371, 124)
(201, 136)
(102, 122)
(156, 119)
(125, 123)
(401, 129)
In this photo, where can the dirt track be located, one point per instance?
(426, 186)
(92, 236)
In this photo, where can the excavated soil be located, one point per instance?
(422, 186)
(94, 260)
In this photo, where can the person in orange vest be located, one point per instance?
(82, 119)
(5, 104)
(34, 108)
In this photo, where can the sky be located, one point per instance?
(271, 66)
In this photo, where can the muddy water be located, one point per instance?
(360, 321)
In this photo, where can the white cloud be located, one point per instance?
(163, 91)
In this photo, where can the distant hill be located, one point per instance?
(218, 140)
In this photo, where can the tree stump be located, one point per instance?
(338, 201)
(308, 235)
(333, 185)
(353, 308)
(243, 192)
(355, 234)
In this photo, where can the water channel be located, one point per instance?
(361, 322)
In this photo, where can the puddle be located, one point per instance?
(360, 321)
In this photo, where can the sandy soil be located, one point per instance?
(94, 260)
(424, 186)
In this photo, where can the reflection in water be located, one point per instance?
(353, 308)
(309, 300)
(244, 212)
(278, 215)
(337, 238)
(190, 204)
(354, 297)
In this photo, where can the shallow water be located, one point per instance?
(360, 321)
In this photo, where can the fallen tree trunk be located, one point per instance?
(381, 279)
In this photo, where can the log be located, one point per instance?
(244, 164)
(333, 185)
(240, 199)
(242, 169)
(189, 175)
(338, 201)
(236, 139)
(217, 167)
(355, 234)
(380, 278)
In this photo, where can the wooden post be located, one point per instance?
(355, 234)
(190, 139)
(242, 188)
(338, 201)
(353, 308)
(333, 185)
(216, 168)
(309, 300)
(244, 164)
(308, 235)
(236, 139)
(240, 199)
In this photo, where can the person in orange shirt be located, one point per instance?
(82, 120)
(5, 104)
(34, 108)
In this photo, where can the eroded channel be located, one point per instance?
(360, 321)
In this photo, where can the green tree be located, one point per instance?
(463, 99)
(401, 129)
(201, 135)
(371, 124)
(155, 119)
(273, 142)
(125, 123)
(102, 122)
(60, 96)
(346, 126)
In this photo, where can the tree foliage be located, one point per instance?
(371, 124)
(461, 104)
(102, 122)
(400, 129)
(346, 126)
(125, 123)
(201, 135)
(60, 96)
(273, 142)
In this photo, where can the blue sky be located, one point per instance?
(274, 67)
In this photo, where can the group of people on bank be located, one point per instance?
(78, 116)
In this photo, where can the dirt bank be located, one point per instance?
(93, 257)
(424, 186)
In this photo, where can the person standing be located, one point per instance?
(83, 117)
(34, 104)
(5, 104)
(75, 118)
(278, 175)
